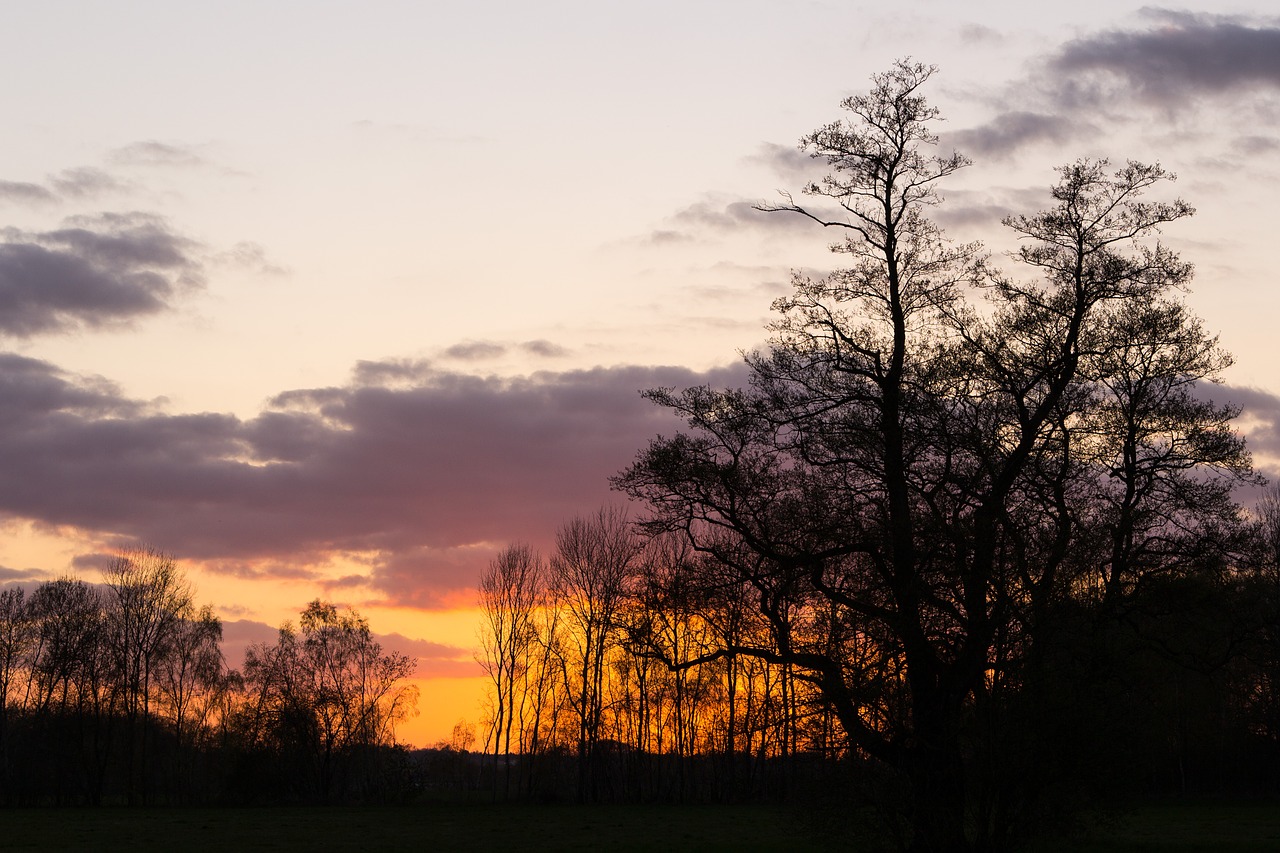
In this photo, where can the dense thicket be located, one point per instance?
(119, 693)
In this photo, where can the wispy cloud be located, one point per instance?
(151, 153)
(247, 255)
(544, 349)
(68, 185)
(787, 162)
(23, 192)
(1011, 131)
(475, 351)
(85, 182)
(716, 217)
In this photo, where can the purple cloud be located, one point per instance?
(94, 272)
(24, 192)
(1260, 409)
(1010, 131)
(1182, 56)
(424, 479)
(475, 351)
(544, 348)
(84, 182)
(1178, 62)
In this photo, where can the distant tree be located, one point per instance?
(1268, 513)
(70, 695)
(589, 570)
(930, 478)
(328, 695)
(16, 642)
(191, 680)
(148, 597)
(666, 622)
(512, 590)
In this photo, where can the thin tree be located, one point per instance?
(593, 558)
(511, 591)
(148, 597)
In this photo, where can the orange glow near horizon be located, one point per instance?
(451, 688)
(442, 704)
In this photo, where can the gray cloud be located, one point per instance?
(25, 193)
(985, 209)
(1010, 131)
(977, 34)
(489, 350)
(475, 351)
(722, 217)
(8, 575)
(1176, 63)
(666, 236)
(1254, 145)
(1261, 409)
(422, 478)
(422, 473)
(736, 215)
(1182, 56)
(85, 182)
(96, 563)
(391, 372)
(787, 162)
(95, 272)
(543, 348)
(69, 184)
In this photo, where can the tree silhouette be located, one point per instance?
(326, 698)
(593, 558)
(511, 591)
(926, 475)
(148, 597)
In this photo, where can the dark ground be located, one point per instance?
(1173, 828)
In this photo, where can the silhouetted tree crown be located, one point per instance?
(935, 457)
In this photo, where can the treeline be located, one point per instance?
(629, 667)
(120, 693)
(609, 681)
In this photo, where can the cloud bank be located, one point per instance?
(420, 474)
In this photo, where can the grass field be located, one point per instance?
(436, 827)
(628, 829)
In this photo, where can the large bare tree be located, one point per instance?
(926, 474)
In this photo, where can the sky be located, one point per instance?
(336, 299)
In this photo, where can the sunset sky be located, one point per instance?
(335, 299)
